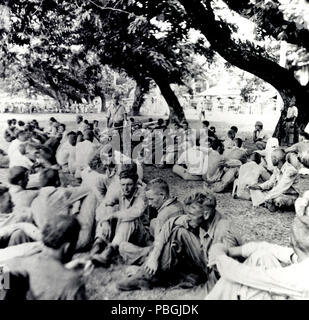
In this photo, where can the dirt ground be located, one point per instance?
(251, 223)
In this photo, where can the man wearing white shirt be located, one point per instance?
(84, 151)
(25, 156)
(22, 137)
(193, 158)
(261, 276)
(65, 149)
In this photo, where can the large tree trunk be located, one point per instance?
(246, 57)
(139, 98)
(176, 110)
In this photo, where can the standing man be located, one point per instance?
(117, 114)
(290, 126)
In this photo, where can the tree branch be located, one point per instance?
(242, 55)
(273, 25)
(109, 8)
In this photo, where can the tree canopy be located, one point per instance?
(66, 43)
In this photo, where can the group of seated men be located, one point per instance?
(72, 205)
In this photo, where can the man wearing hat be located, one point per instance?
(261, 276)
(181, 249)
(259, 136)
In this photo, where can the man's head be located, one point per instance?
(278, 157)
(49, 178)
(238, 142)
(46, 154)
(31, 150)
(213, 129)
(88, 135)
(201, 208)
(10, 123)
(157, 192)
(23, 135)
(205, 124)
(79, 119)
(256, 157)
(258, 125)
(231, 134)
(6, 204)
(235, 129)
(61, 127)
(96, 164)
(61, 233)
(72, 138)
(19, 176)
(21, 123)
(300, 235)
(217, 145)
(14, 121)
(52, 121)
(79, 137)
(128, 181)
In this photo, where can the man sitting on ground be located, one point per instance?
(250, 173)
(84, 151)
(16, 234)
(229, 143)
(278, 191)
(220, 172)
(182, 247)
(21, 197)
(190, 164)
(161, 207)
(302, 146)
(48, 277)
(259, 136)
(120, 219)
(64, 151)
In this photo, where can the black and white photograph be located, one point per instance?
(154, 151)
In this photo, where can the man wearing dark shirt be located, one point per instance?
(48, 277)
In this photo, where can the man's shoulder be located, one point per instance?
(172, 206)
